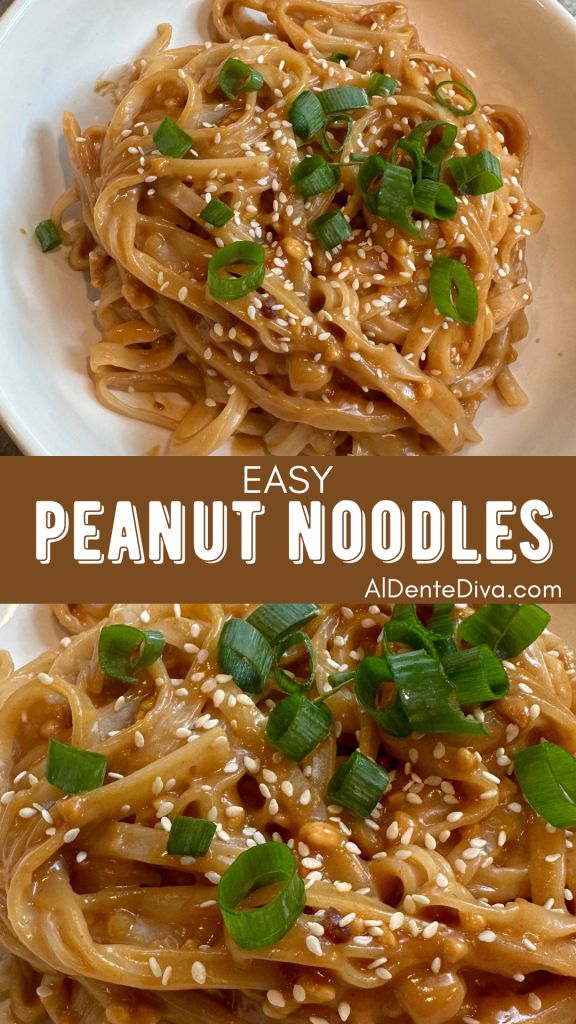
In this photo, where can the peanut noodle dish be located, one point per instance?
(307, 235)
(300, 813)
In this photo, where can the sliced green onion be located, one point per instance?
(371, 673)
(381, 85)
(404, 627)
(217, 213)
(478, 673)
(434, 199)
(236, 77)
(341, 98)
(286, 682)
(446, 277)
(415, 152)
(546, 774)
(276, 621)
(476, 175)
(455, 108)
(427, 697)
(358, 784)
(508, 629)
(339, 678)
(335, 120)
(331, 229)
(340, 58)
(244, 654)
(250, 253)
(387, 191)
(442, 620)
(190, 837)
(442, 627)
(48, 235)
(296, 726)
(256, 868)
(434, 156)
(123, 650)
(73, 770)
(171, 139)
(306, 115)
(313, 175)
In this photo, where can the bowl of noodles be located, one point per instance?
(300, 813)
(298, 229)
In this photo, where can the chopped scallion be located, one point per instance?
(244, 654)
(171, 139)
(190, 837)
(236, 77)
(73, 770)
(453, 290)
(358, 784)
(123, 650)
(256, 868)
(296, 726)
(229, 288)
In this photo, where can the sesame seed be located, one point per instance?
(198, 972)
(71, 835)
(313, 945)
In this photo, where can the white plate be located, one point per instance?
(520, 52)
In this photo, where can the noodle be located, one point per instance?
(337, 353)
(452, 901)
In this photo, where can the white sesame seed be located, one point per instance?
(313, 945)
(198, 972)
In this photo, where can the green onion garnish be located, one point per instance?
(381, 85)
(256, 868)
(296, 726)
(387, 191)
(455, 108)
(442, 626)
(244, 654)
(446, 277)
(546, 774)
(358, 784)
(313, 175)
(341, 98)
(371, 673)
(340, 58)
(434, 156)
(404, 627)
(478, 673)
(335, 120)
(427, 697)
(190, 837)
(276, 621)
(216, 213)
(476, 175)
(236, 77)
(123, 650)
(73, 770)
(434, 199)
(286, 682)
(427, 700)
(508, 629)
(171, 139)
(306, 115)
(331, 229)
(48, 235)
(250, 253)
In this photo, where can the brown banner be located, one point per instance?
(216, 529)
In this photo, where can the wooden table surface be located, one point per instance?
(6, 445)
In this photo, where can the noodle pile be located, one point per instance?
(337, 353)
(453, 901)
